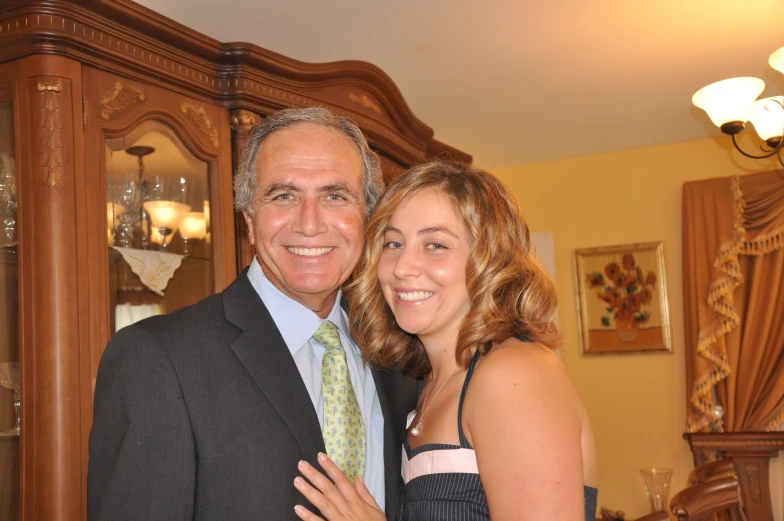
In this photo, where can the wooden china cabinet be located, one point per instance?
(119, 129)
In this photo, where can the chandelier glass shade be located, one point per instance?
(728, 101)
(767, 116)
(731, 103)
(776, 60)
(193, 226)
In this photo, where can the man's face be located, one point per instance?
(309, 212)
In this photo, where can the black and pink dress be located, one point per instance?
(441, 481)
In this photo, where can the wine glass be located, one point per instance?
(9, 378)
(124, 192)
(8, 198)
(113, 212)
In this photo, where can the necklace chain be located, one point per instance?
(418, 427)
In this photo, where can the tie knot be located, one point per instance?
(328, 336)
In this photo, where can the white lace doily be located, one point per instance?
(154, 268)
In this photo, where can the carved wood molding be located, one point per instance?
(750, 453)
(752, 471)
(49, 87)
(243, 121)
(50, 155)
(198, 115)
(707, 504)
(199, 65)
(771, 445)
(119, 97)
(364, 100)
(715, 495)
(736, 441)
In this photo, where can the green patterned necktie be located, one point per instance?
(344, 430)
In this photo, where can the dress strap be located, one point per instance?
(463, 440)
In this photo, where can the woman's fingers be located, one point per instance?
(325, 500)
(337, 484)
(305, 514)
(364, 493)
(340, 480)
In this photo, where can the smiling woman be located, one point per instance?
(422, 268)
(445, 206)
(448, 289)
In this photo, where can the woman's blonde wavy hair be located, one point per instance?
(510, 293)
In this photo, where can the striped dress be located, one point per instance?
(441, 481)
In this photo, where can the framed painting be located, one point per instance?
(622, 302)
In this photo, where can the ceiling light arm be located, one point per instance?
(777, 146)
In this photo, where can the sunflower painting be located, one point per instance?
(622, 299)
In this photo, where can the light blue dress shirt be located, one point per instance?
(297, 324)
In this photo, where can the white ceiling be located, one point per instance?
(519, 82)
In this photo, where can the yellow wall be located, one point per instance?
(636, 403)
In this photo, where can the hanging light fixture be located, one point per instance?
(733, 102)
(193, 227)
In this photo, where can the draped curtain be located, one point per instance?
(733, 259)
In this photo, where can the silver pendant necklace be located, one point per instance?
(417, 430)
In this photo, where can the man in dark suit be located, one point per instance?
(203, 414)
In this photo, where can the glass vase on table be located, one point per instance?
(657, 485)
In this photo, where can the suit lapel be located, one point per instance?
(264, 354)
(262, 351)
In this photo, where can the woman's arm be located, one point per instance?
(522, 415)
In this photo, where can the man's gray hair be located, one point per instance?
(245, 178)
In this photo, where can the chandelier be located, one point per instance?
(143, 211)
(731, 103)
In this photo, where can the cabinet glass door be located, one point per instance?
(157, 224)
(9, 318)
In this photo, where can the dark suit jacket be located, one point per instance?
(202, 414)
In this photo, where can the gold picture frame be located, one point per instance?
(622, 299)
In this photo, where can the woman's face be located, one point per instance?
(422, 269)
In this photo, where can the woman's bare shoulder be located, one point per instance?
(522, 376)
(517, 360)
(522, 416)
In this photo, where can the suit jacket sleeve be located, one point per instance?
(142, 458)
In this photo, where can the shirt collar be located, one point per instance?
(295, 322)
